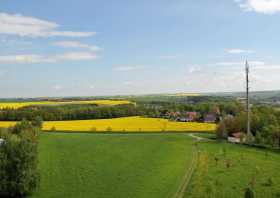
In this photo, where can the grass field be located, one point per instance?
(246, 165)
(16, 105)
(127, 124)
(79, 165)
(151, 165)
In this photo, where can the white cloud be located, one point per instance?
(75, 56)
(194, 69)
(262, 77)
(22, 59)
(229, 63)
(261, 6)
(57, 87)
(256, 63)
(76, 44)
(239, 51)
(34, 58)
(16, 24)
(267, 67)
(92, 86)
(127, 68)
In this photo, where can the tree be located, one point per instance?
(275, 132)
(221, 131)
(259, 138)
(231, 125)
(37, 122)
(18, 154)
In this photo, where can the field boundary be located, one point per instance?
(128, 132)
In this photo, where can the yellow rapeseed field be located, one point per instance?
(16, 105)
(127, 124)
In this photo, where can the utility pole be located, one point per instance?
(247, 98)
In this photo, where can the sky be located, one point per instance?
(91, 48)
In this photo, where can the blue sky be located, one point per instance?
(88, 47)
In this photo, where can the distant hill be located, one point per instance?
(256, 96)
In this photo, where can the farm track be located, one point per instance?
(189, 173)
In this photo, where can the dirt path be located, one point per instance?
(197, 138)
(189, 173)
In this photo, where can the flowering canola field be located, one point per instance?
(127, 124)
(17, 105)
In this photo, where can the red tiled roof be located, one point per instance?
(237, 135)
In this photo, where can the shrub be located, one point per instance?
(250, 139)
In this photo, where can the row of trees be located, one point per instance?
(265, 125)
(69, 112)
(18, 159)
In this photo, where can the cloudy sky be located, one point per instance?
(109, 47)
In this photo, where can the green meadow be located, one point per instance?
(151, 165)
(112, 165)
(226, 170)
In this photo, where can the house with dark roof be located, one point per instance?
(210, 118)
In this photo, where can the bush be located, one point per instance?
(250, 139)
(18, 160)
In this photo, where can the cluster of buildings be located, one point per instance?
(192, 117)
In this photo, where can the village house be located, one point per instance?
(183, 117)
(236, 138)
(1, 141)
(210, 118)
(174, 115)
(191, 116)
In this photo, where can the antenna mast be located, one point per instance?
(247, 98)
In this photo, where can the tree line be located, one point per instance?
(69, 112)
(265, 126)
